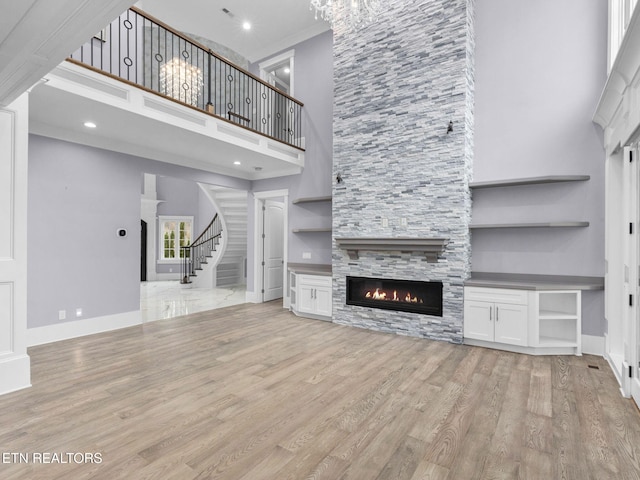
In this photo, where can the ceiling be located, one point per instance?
(36, 35)
(275, 24)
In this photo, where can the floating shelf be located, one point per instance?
(568, 224)
(312, 199)
(431, 247)
(311, 230)
(529, 181)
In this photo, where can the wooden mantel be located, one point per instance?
(430, 247)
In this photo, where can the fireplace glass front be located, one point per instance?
(400, 295)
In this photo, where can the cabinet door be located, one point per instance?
(478, 320)
(306, 302)
(511, 324)
(323, 301)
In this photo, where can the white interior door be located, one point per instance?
(632, 277)
(273, 260)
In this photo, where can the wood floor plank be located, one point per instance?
(404, 461)
(507, 445)
(598, 454)
(444, 447)
(254, 392)
(539, 401)
(473, 463)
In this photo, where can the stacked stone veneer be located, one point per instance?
(397, 84)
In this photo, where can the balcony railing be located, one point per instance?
(141, 50)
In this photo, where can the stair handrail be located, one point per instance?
(196, 253)
(138, 49)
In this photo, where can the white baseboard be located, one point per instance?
(15, 373)
(593, 345)
(80, 328)
(167, 276)
(253, 297)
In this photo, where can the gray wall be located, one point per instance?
(78, 197)
(540, 68)
(77, 201)
(206, 212)
(180, 198)
(313, 77)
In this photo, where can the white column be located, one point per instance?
(149, 213)
(14, 138)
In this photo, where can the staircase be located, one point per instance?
(200, 257)
(228, 263)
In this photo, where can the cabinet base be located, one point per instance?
(525, 350)
(312, 316)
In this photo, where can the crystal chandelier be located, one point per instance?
(359, 12)
(181, 80)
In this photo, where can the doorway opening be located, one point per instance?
(143, 251)
(278, 72)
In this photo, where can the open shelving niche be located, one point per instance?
(559, 315)
(319, 199)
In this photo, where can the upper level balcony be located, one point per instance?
(158, 94)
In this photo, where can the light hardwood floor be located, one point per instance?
(252, 392)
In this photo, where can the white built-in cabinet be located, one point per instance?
(311, 295)
(496, 315)
(526, 321)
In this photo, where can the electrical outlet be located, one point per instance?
(171, 270)
(306, 255)
(385, 222)
(62, 314)
(78, 312)
(403, 221)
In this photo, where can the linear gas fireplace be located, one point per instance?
(400, 295)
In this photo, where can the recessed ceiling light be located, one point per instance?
(90, 125)
(287, 70)
(236, 162)
(246, 25)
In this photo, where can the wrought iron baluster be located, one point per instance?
(150, 49)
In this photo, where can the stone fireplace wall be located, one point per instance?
(397, 85)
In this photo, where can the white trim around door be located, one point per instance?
(259, 199)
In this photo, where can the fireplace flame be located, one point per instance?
(377, 295)
(382, 295)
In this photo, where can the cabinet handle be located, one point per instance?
(497, 314)
(491, 313)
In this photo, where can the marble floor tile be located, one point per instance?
(167, 299)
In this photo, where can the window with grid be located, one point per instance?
(175, 232)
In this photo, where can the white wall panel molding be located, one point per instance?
(618, 111)
(14, 131)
